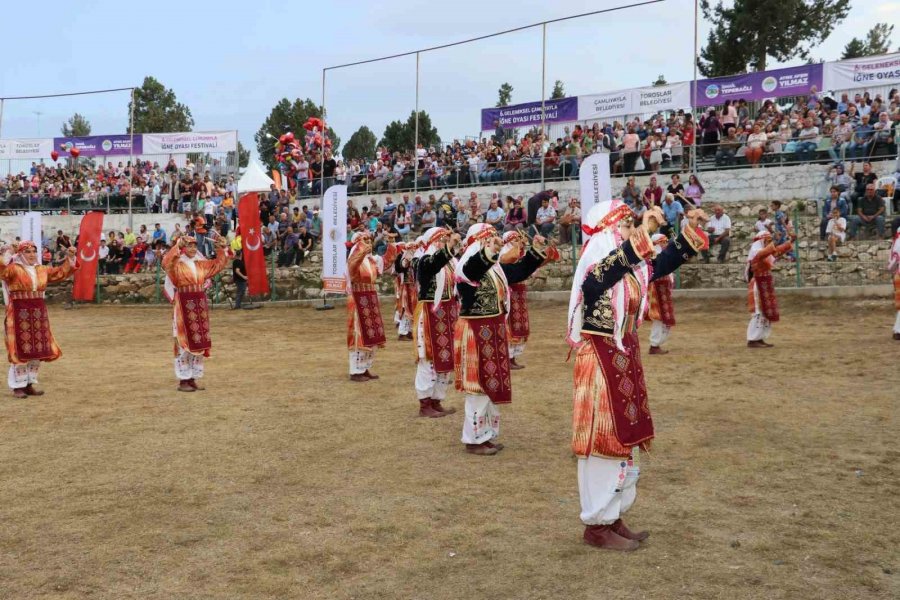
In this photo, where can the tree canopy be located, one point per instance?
(559, 91)
(748, 32)
(877, 42)
(401, 137)
(288, 116)
(157, 110)
(504, 95)
(76, 126)
(361, 144)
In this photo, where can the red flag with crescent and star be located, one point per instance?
(88, 246)
(251, 244)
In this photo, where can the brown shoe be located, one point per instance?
(514, 366)
(756, 344)
(436, 405)
(359, 377)
(897, 336)
(426, 409)
(193, 383)
(31, 391)
(19, 393)
(657, 350)
(185, 386)
(621, 529)
(602, 536)
(498, 445)
(370, 375)
(481, 449)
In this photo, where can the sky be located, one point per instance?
(231, 62)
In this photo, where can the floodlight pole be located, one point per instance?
(416, 140)
(131, 156)
(696, 119)
(543, 94)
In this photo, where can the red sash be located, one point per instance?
(493, 357)
(662, 307)
(195, 317)
(624, 377)
(409, 298)
(368, 315)
(32, 327)
(519, 327)
(440, 323)
(765, 286)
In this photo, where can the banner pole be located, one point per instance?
(695, 119)
(324, 134)
(416, 139)
(543, 95)
(131, 157)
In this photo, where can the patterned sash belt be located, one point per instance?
(26, 295)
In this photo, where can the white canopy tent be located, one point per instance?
(254, 179)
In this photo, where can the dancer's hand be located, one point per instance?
(653, 219)
(455, 238)
(539, 242)
(696, 217)
(71, 251)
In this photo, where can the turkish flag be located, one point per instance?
(88, 246)
(251, 244)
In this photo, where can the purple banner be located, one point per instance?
(529, 114)
(792, 81)
(100, 145)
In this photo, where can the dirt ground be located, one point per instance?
(774, 473)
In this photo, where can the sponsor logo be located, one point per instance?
(712, 91)
(769, 84)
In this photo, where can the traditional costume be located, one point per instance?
(517, 322)
(761, 288)
(611, 417)
(661, 310)
(186, 279)
(365, 328)
(405, 292)
(894, 266)
(29, 340)
(435, 317)
(480, 342)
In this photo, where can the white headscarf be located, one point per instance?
(760, 241)
(894, 263)
(429, 247)
(602, 225)
(356, 246)
(168, 284)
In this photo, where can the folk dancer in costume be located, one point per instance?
(365, 328)
(514, 244)
(761, 288)
(187, 274)
(611, 417)
(405, 291)
(435, 317)
(894, 266)
(29, 340)
(480, 342)
(661, 309)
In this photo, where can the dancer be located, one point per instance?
(894, 266)
(434, 320)
(365, 328)
(761, 288)
(29, 340)
(661, 310)
(405, 288)
(611, 418)
(480, 343)
(514, 245)
(186, 275)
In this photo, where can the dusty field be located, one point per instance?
(774, 473)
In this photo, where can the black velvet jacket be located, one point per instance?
(484, 300)
(427, 270)
(598, 314)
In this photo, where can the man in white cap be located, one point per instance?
(761, 298)
(611, 417)
(661, 311)
(435, 317)
(481, 352)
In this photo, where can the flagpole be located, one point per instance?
(696, 119)
(543, 94)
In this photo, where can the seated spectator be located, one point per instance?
(807, 141)
(869, 214)
(305, 244)
(694, 191)
(719, 230)
(836, 232)
(429, 217)
(862, 140)
(102, 256)
(136, 260)
(402, 221)
(388, 212)
(756, 145)
(494, 215)
(570, 223)
(835, 200)
(672, 209)
(763, 222)
(631, 193)
(652, 195)
(159, 234)
(840, 139)
(728, 147)
(862, 180)
(883, 134)
(288, 255)
(446, 210)
(516, 217)
(315, 225)
(545, 220)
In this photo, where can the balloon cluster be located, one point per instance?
(73, 151)
(289, 151)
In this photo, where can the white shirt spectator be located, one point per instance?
(837, 227)
(543, 214)
(719, 225)
(763, 225)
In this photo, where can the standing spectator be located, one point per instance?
(239, 275)
(834, 201)
(289, 250)
(545, 220)
(102, 256)
(719, 229)
(870, 213)
(727, 149)
(763, 222)
(783, 227)
(712, 129)
(631, 145)
(836, 232)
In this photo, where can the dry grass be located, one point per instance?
(774, 473)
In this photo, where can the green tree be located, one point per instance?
(855, 48)
(361, 144)
(747, 32)
(287, 116)
(505, 95)
(558, 90)
(399, 136)
(156, 110)
(76, 126)
(243, 157)
(877, 42)
(661, 80)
